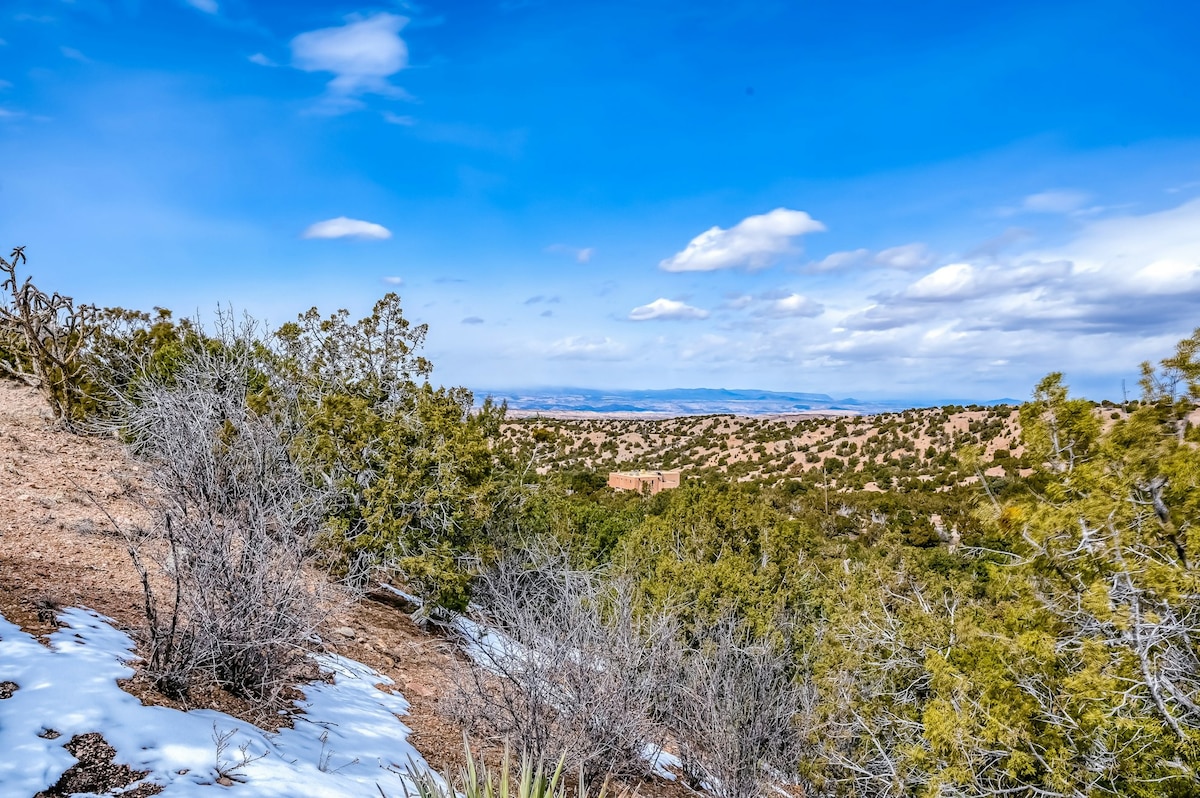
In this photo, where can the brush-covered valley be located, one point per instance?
(279, 561)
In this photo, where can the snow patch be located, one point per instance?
(348, 742)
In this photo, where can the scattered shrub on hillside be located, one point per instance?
(577, 672)
(43, 338)
(736, 707)
(416, 482)
(234, 523)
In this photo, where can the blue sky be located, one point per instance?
(873, 199)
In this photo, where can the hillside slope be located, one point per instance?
(60, 495)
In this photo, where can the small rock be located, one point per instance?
(346, 631)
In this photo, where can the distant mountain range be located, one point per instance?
(696, 401)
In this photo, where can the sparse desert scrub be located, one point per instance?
(737, 710)
(234, 525)
(574, 671)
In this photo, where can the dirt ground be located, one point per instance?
(61, 495)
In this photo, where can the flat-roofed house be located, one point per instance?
(643, 480)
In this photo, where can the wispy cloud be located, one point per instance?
(361, 55)
(1057, 202)
(1125, 276)
(394, 280)
(473, 320)
(582, 347)
(207, 6)
(262, 60)
(580, 254)
(905, 256)
(74, 55)
(343, 227)
(1054, 202)
(403, 120)
(753, 243)
(667, 310)
(793, 305)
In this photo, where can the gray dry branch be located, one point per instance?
(735, 711)
(44, 336)
(574, 672)
(234, 525)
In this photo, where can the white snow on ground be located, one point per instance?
(349, 741)
(661, 761)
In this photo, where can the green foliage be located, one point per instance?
(1030, 636)
(418, 481)
(710, 549)
(43, 340)
(477, 780)
(1056, 429)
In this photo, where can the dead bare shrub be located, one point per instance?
(566, 667)
(735, 711)
(234, 520)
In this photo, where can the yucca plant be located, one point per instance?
(476, 780)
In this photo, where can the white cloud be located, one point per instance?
(207, 6)
(1063, 201)
(581, 347)
(74, 55)
(1126, 243)
(666, 310)
(262, 60)
(1121, 280)
(398, 119)
(906, 256)
(955, 281)
(841, 260)
(581, 255)
(794, 305)
(1167, 275)
(394, 280)
(342, 227)
(708, 347)
(362, 54)
(753, 243)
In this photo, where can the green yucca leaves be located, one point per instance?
(476, 780)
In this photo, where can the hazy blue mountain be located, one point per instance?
(697, 401)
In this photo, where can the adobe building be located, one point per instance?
(654, 481)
